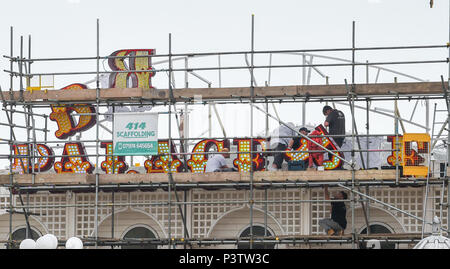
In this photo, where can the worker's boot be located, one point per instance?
(330, 232)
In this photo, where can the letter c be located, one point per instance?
(264, 258)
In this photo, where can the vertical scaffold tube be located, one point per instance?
(11, 139)
(448, 132)
(252, 92)
(170, 147)
(367, 132)
(304, 83)
(352, 203)
(97, 135)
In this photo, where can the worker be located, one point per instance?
(217, 163)
(338, 221)
(279, 141)
(335, 122)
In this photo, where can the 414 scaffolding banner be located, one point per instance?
(135, 134)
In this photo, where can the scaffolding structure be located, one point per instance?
(347, 94)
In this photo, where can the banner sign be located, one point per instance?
(135, 134)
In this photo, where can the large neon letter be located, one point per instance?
(161, 162)
(334, 163)
(119, 166)
(65, 121)
(22, 165)
(412, 160)
(395, 153)
(242, 162)
(138, 79)
(298, 156)
(75, 164)
(197, 162)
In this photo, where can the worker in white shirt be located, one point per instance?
(217, 163)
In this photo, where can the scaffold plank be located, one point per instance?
(301, 90)
(392, 89)
(275, 176)
(78, 95)
(47, 179)
(339, 175)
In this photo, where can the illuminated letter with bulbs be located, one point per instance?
(73, 163)
(22, 165)
(299, 156)
(334, 163)
(394, 146)
(160, 163)
(119, 166)
(197, 162)
(62, 115)
(138, 79)
(413, 160)
(242, 162)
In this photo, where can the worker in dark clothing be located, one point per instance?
(338, 221)
(335, 122)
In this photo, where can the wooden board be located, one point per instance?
(340, 175)
(278, 176)
(77, 95)
(57, 179)
(301, 91)
(413, 88)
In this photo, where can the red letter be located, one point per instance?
(335, 162)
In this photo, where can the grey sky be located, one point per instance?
(66, 28)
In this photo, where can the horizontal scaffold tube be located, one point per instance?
(225, 53)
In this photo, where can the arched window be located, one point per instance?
(139, 232)
(21, 234)
(378, 229)
(257, 231)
